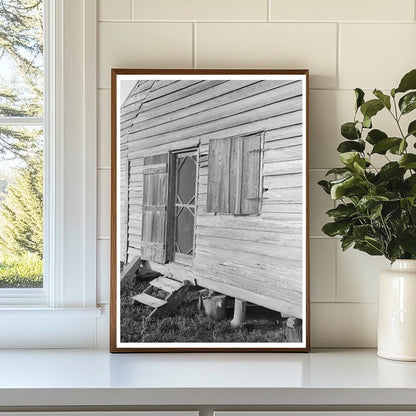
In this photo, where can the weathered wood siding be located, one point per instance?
(257, 258)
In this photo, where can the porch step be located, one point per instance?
(176, 291)
(149, 300)
(166, 284)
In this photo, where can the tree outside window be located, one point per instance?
(21, 143)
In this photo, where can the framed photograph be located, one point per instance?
(209, 210)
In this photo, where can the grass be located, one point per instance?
(25, 271)
(188, 324)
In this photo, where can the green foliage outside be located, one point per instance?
(376, 210)
(21, 212)
(21, 148)
(21, 271)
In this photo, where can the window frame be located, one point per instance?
(173, 188)
(68, 317)
(38, 296)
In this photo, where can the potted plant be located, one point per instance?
(376, 207)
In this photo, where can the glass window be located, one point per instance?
(21, 143)
(186, 165)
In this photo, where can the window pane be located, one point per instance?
(21, 58)
(186, 179)
(21, 207)
(185, 230)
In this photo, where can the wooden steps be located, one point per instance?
(149, 300)
(166, 284)
(162, 307)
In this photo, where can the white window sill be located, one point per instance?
(40, 327)
(328, 379)
(34, 311)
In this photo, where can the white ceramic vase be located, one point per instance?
(397, 312)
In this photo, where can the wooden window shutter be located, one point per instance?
(155, 206)
(250, 175)
(218, 176)
(234, 166)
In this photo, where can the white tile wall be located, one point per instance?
(357, 10)
(345, 44)
(114, 10)
(323, 269)
(270, 45)
(200, 10)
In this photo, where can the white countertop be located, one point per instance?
(96, 377)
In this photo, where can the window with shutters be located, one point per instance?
(234, 175)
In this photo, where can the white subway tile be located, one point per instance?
(328, 110)
(376, 55)
(357, 275)
(342, 10)
(103, 271)
(200, 10)
(104, 129)
(319, 203)
(323, 269)
(343, 325)
(142, 45)
(273, 46)
(114, 10)
(104, 202)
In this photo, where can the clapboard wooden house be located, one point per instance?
(211, 185)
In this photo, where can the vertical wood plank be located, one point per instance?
(126, 212)
(236, 160)
(250, 188)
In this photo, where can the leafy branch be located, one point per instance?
(376, 210)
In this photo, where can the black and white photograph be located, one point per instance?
(209, 244)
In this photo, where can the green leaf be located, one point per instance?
(336, 228)
(338, 171)
(325, 186)
(367, 122)
(368, 201)
(349, 146)
(391, 170)
(339, 188)
(359, 165)
(342, 211)
(408, 82)
(371, 108)
(359, 95)
(385, 99)
(386, 144)
(368, 248)
(348, 158)
(411, 130)
(360, 231)
(408, 161)
(407, 239)
(346, 242)
(350, 131)
(408, 102)
(400, 148)
(375, 211)
(375, 136)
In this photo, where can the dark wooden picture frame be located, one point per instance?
(209, 210)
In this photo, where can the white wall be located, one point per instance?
(344, 43)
